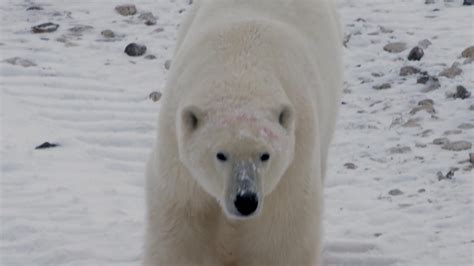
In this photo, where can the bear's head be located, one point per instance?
(237, 148)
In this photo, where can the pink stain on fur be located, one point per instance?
(268, 133)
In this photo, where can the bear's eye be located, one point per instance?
(265, 157)
(221, 157)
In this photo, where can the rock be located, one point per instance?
(378, 234)
(395, 47)
(466, 126)
(429, 2)
(108, 34)
(34, 8)
(134, 49)
(395, 192)
(426, 105)
(346, 40)
(424, 43)
(148, 17)
(471, 158)
(45, 27)
(416, 54)
(79, 29)
(383, 86)
(441, 141)
(426, 133)
(420, 145)
(468, 52)
(150, 57)
(471, 108)
(167, 64)
(428, 108)
(126, 10)
(385, 29)
(158, 30)
(350, 166)
(452, 132)
(408, 70)
(426, 102)
(431, 82)
(17, 61)
(468, 3)
(461, 93)
(376, 74)
(155, 96)
(46, 145)
(451, 72)
(412, 123)
(449, 175)
(399, 149)
(460, 145)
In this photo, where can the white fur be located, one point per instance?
(237, 64)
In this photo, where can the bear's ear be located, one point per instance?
(191, 118)
(286, 117)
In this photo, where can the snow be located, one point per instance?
(83, 203)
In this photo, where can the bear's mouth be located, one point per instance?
(243, 194)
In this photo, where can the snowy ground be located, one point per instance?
(82, 203)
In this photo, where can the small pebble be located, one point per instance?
(155, 96)
(351, 166)
(468, 3)
(466, 126)
(126, 10)
(395, 192)
(108, 33)
(441, 141)
(452, 132)
(148, 17)
(420, 145)
(449, 175)
(416, 54)
(426, 102)
(79, 29)
(385, 29)
(471, 158)
(451, 72)
(383, 86)
(158, 30)
(460, 145)
(428, 108)
(399, 149)
(17, 61)
(421, 190)
(408, 70)
(425, 43)
(46, 145)
(45, 27)
(34, 8)
(431, 82)
(461, 93)
(167, 64)
(150, 57)
(395, 47)
(134, 49)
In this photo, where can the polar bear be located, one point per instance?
(248, 112)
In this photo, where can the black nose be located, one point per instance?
(246, 203)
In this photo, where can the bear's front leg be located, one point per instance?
(177, 242)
